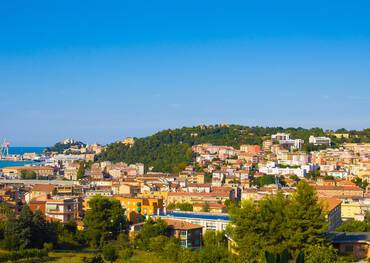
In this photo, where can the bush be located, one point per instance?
(171, 249)
(156, 244)
(96, 259)
(48, 247)
(110, 253)
(126, 253)
(23, 254)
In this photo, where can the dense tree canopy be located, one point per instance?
(277, 223)
(104, 220)
(28, 230)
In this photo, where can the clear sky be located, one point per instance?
(103, 70)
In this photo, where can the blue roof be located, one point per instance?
(350, 237)
(196, 215)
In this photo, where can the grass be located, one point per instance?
(70, 257)
(143, 256)
(76, 257)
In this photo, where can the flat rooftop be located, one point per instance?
(197, 215)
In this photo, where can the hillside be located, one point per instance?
(170, 150)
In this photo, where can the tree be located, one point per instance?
(206, 207)
(180, 206)
(188, 256)
(171, 249)
(277, 223)
(215, 248)
(23, 228)
(28, 175)
(306, 215)
(29, 230)
(156, 244)
(360, 183)
(313, 175)
(150, 230)
(260, 227)
(42, 231)
(104, 220)
(81, 170)
(320, 253)
(265, 180)
(110, 253)
(355, 226)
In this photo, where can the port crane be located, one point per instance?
(4, 149)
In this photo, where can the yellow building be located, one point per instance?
(138, 207)
(158, 194)
(351, 210)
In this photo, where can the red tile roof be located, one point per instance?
(43, 188)
(181, 225)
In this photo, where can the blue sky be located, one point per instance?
(103, 70)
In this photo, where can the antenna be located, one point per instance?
(4, 149)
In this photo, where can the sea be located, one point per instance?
(20, 150)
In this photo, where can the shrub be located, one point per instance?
(23, 254)
(110, 253)
(126, 253)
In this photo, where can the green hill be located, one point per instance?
(170, 150)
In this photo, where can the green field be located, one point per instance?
(76, 257)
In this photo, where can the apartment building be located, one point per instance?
(319, 140)
(139, 207)
(209, 221)
(189, 234)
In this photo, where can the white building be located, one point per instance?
(319, 140)
(280, 137)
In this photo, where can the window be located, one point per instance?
(183, 243)
(211, 226)
(183, 233)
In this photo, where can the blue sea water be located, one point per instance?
(20, 150)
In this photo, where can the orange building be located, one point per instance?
(139, 207)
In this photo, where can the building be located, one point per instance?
(40, 190)
(40, 171)
(209, 221)
(332, 206)
(276, 138)
(128, 141)
(139, 207)
(351, 244)
(251, 149)
(57, 208)
(63, 209)
(210, 207)
(194, 197)
(71, 170)
(319, 140)
(291, 144)
(96, 171)
(338, 191)
(189, 234)
(266, 145)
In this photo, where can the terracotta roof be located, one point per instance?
(181, 225)
(343, 188)
(199, 185)
(330, 203)
(43, 188)
(198, 194)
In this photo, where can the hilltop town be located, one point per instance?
(193, 183)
